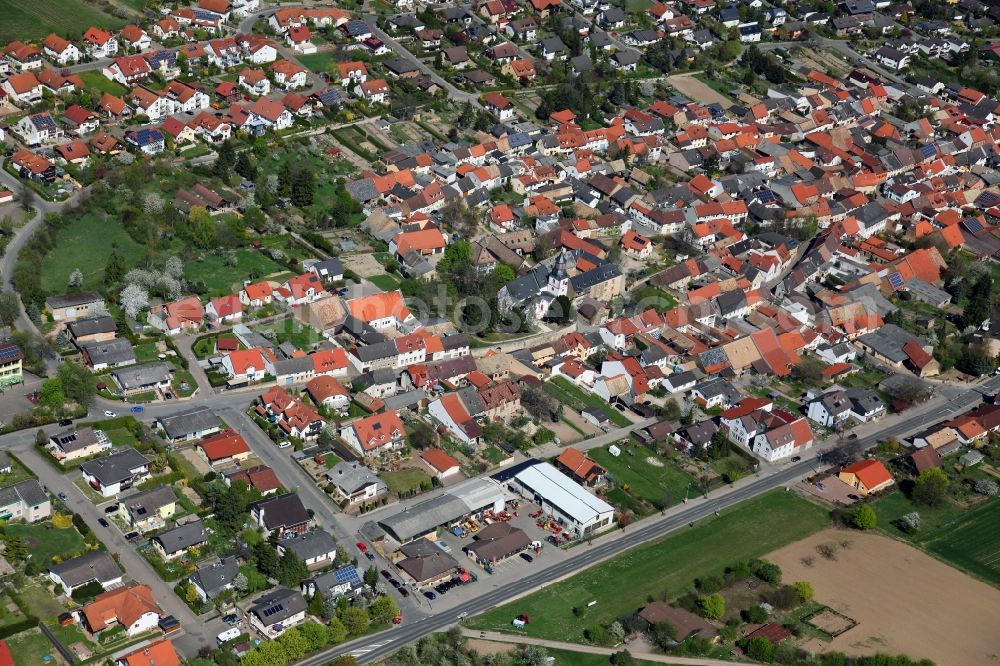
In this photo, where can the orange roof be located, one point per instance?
(124, 605)
(160, 653)
(576, 461)
(324, 386)
(438, 459)
(379, 306)
(328, 360)
(244, 359)
(424, 241)
(258, 291)
(226, 444)
(379, 430)
(871, 473)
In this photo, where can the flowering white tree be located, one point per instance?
(134, 299)
(152, 204)
(174, 267)
(75, 278)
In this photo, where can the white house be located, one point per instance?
(60, 51)
(783, 441)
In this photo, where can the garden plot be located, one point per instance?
(904, 601)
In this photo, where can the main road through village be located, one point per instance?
(378, 646)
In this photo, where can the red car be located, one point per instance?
(362, 547)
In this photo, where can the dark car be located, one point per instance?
(386, 574)
(853, 435)
(395, 583)
(551, 539)
(63, 496)
(103, 522)
(66, 422)
(527, 558)
(796, 458)
(132, 536)
(430, 595)
(232, 619)
(111, 509)
(405, 592)
(370, 556)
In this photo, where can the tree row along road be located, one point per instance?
(378, 646)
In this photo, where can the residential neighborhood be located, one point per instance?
(374, 332)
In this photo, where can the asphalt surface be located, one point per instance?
(378, 646)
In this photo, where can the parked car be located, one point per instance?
(853, 435)
(430, 595)
(386, 574)
(110, 414)
(111, 509)
(796, 458)
(233, 620)
(527, 558)
(132, 536)
(395, 583)
(66, 422)
(63, 496)
(405, 592)
(103, 522)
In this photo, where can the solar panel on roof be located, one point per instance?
(347, 574)
(9, 353)
(896, 280)
(268, 612)
(928, 150)
(987, 199)
(766, 196)
(973, 225)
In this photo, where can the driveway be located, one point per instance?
(196, 632)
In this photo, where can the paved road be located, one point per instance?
(379, 646)
(21, 238)
(196, 631)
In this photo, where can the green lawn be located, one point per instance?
(652, 297)
(121, 436)
(39, 601)
(406, 480)
(8, 616)
(972, 543)
(31, 646)
(221, 279)
(661, 486)
(147, 352)
(665, 568)
(384, 282)
(95, 80)
(568, 394)
(46, 541)
(892, 507)
(28, 19)
(291, 330)
(318, 62)
(86, 244)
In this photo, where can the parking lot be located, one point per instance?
(504, 572)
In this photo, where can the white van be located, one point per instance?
(228, 635)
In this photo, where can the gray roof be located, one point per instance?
(377, 351)
(352, 477)
(29, 491)
(425, 561)
(116, 466)
(142, 375)
(293, 366)
(278, 605)
(312, 544)
(888, 341)
(112, 352)
(72, 300)
(460, 500)
(282, 511)
(142, 504)
(189, 421)
(182, 537)
(584, 281)
(97, 565)
(92, 326)
(329, 267)
(214, 578)
(74, 440)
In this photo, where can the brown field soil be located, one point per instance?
(700, 92)
(905, 601)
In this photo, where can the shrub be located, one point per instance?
(803, 590)
(766, 571)
(864, 518)
(754, 615)
(760, 649)
(712, 606)
(709, 583)
(910, 523)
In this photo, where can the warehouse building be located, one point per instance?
(564, 499)
(464, 500)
